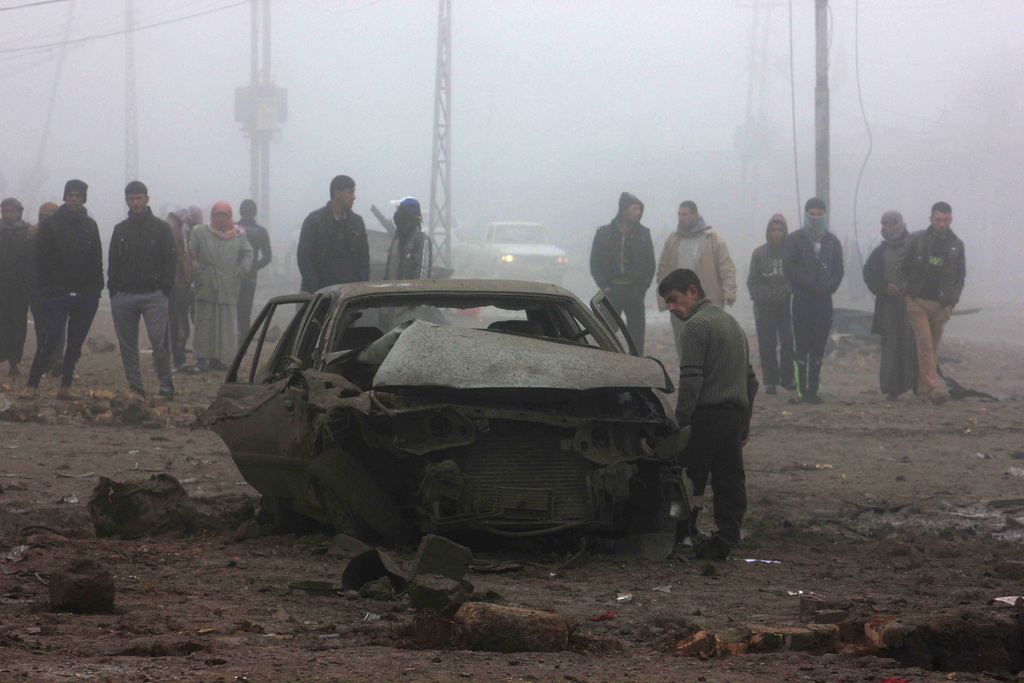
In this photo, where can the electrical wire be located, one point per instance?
(792, 96)
(123, 31)
(31, 4)
(863, 113)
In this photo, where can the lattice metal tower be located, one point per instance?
(131, 109)
(441, 176)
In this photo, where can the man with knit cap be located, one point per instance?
(932, 270)
(716, 393)
(333, 248)
(770, 292)
(141, 271)
(697, 246)
(813, 263)
(259, 240)
(15, 282)
(622, 264)
(69, 270)
(898, 369)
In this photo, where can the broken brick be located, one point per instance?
(700, 644)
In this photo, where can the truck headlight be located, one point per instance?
(563, 259)
(508, 258)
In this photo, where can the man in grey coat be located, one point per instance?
(140, 276)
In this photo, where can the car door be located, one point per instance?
(603, 308)
(265, 428)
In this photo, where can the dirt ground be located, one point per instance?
(882, 511)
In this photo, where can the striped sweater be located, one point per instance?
(714, 367)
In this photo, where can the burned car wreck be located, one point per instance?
(394, 409)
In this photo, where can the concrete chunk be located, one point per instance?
(438, 555)
(84, 586)
(432, 591)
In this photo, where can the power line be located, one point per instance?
(111, 34)
(871, 141)
(792, 95)
(31, 4)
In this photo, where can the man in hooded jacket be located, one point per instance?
(769, 290)
(622, 264)
(813, 263)
(411, 255)
(696, 246)
(898, 369)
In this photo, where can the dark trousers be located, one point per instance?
(714, 450)
(812, 322)
(246, 294)
(178, 323)
(78, 310)
(38, 322)
(630, 305)
(775, 331)
(13, 328)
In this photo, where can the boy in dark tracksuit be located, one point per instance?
(813, 263)
(770, 292)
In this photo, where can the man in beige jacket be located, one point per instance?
(697, 247)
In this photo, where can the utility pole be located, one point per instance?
(131, 109)
(441, 174)
(821, 141)
(261, 108)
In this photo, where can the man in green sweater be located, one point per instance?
(716, 393)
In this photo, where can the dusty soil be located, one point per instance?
(883, 511)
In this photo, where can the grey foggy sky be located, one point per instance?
(557, 107)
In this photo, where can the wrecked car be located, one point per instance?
(388, 410)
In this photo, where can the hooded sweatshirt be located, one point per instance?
(766, 281)
(623, 259)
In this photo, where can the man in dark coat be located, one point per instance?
(15, 282)
(333, 248)
(259, 239)
(898, 369)
(770, 292)
(69, 270)
(55, 362)
(932, 270)
(411, 255)
(622, 264)
(141, 271)
(813, 263)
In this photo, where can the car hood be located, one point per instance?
(528, 249)
(429, 355)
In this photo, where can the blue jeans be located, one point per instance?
(79, 310)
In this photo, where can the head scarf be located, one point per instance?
(897, 218)
(195, 216)
(816, 226)
(222, 226)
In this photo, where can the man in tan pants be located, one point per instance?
(932, 270)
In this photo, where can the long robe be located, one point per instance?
(214, 265)
(898, 369)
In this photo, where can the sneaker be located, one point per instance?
(140, 392)
(892, 396)
(180, 368)
(715, 548)
(771, 390)
(68, 394)
(938, 397)
(166, 395)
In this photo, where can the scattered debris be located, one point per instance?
(370, 566)
(500, 628)
(623, 598)
(438, 555)
(16, 554)
(370, 616)
(602, 617)
(84, 475)
(83, 587)
(1011, 600)
(1016, 471)
(751, 559)
(314, 587)
(5, 403)
(68, 499)
(436, 592)
(662, 589)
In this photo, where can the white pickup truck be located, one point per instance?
(512, 250)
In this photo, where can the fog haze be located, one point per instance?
(557, 107)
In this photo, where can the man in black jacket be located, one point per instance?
(15, 282)
(259, 239)
(622, 264)
(69, 271)
(813, 262)
(140, 275)
(932, 270)
(333, 248)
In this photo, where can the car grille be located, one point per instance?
(520, 470)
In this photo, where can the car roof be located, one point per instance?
(511, 287)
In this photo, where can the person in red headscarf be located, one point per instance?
(219, 262)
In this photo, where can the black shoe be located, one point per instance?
(794, 401)
(771, 390)
(166, 395)
(892, 396)
(715, 548)
(141, 393)
(814, 400)
(789, 387)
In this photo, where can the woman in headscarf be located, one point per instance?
(219, 261)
